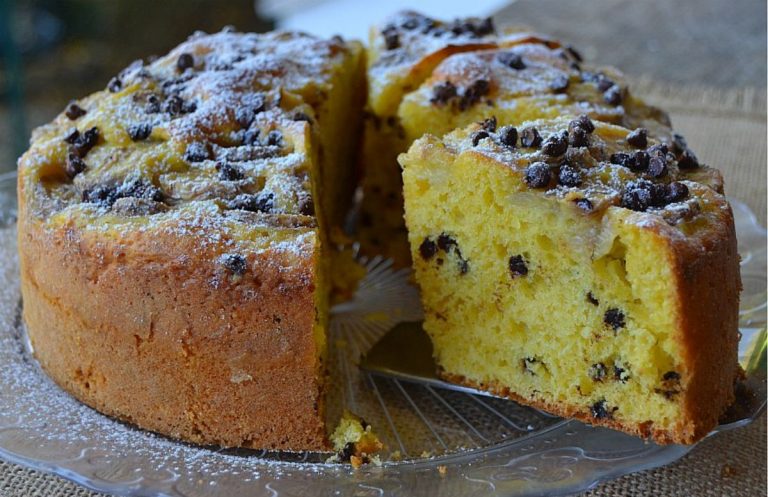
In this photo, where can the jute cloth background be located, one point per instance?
(727, 129)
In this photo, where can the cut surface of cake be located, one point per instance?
(429, 76)
(173, 233)
(591, 272)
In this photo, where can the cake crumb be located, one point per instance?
(442, 469)
(728, 471)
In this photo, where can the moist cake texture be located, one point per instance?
(591, 271)
(173, 232)
(430, 76)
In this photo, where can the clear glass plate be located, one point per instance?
(449, 442)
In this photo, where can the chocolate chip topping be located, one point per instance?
(638, 138)
(391, 38)
(612, 95)
(478, 135)
(614, 318)
(556, 144)
(620, 374)
(246, 114)
(507, 136)
(251, 136)
(657, 167)
(427, 249)
(584, 204)
(82, 143)
(74, 111)
(140, 131)
(442, 93)
(591, 299)
(229, 172)
(153, 105)
(530, 138)
(569, 176)
(490, 124)
(473, 93)
(583, 122)
(678, 144)
(671, 375)
(175, 105)
(518, 266)
(197, 152)
(185, 61)
(687, 160)
(261, 202)
(114, 85)
(275, 138)
(75, 165)
(538, 175)
(512, 60)
(234, 263)
(107, 195)
(559, 84)
(71, 136)
(578, 137)
(676, 192)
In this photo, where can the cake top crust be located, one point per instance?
(597, 166)
(221, 126)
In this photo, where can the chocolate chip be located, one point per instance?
(640, 161)
(603, 82)
(83, 143)
(427, 249)
(687, 160)
(657, 167)
(584, 204)
(512, 60)
(446, 243)
(612, 95)
(74, 111)
(569, 176)
(623, 159)
(574, 53)
(275, 138)
(530, 138)
(139, 188)
(261, 202)
(302, 116)
(75, 165)
(477, 136)
(173, 105)
(443, 92)
(72, 135)
(307, 206)
(518, 266)
(485, 27)
(620, 374)
(391, 38)
(246, 114)
(474, 93)
(658, 150)
(538, 175)
(100, 194)
(679, 144)
(598, 372)
(636, 198)
(114, 85)
(614, 318)
(556, 144)
(346, 453)
(490, 124)
(185, 61)
(676, 192)
(508, 136)
(197, 152)
(583, 122)
(140, 131)
(559, 84)
(578, 137)
(234, 263)
(671, 375)
(229, 172)
(638, 138)
(153, 105)
(600, 411)
(591, 299)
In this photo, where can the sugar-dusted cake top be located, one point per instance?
(595, 166)
(223, 123)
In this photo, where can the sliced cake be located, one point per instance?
(173, 233)
(429, 76)
(581, 267)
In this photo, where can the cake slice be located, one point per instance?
(174, 232)
(429, 76)
(588, 272)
